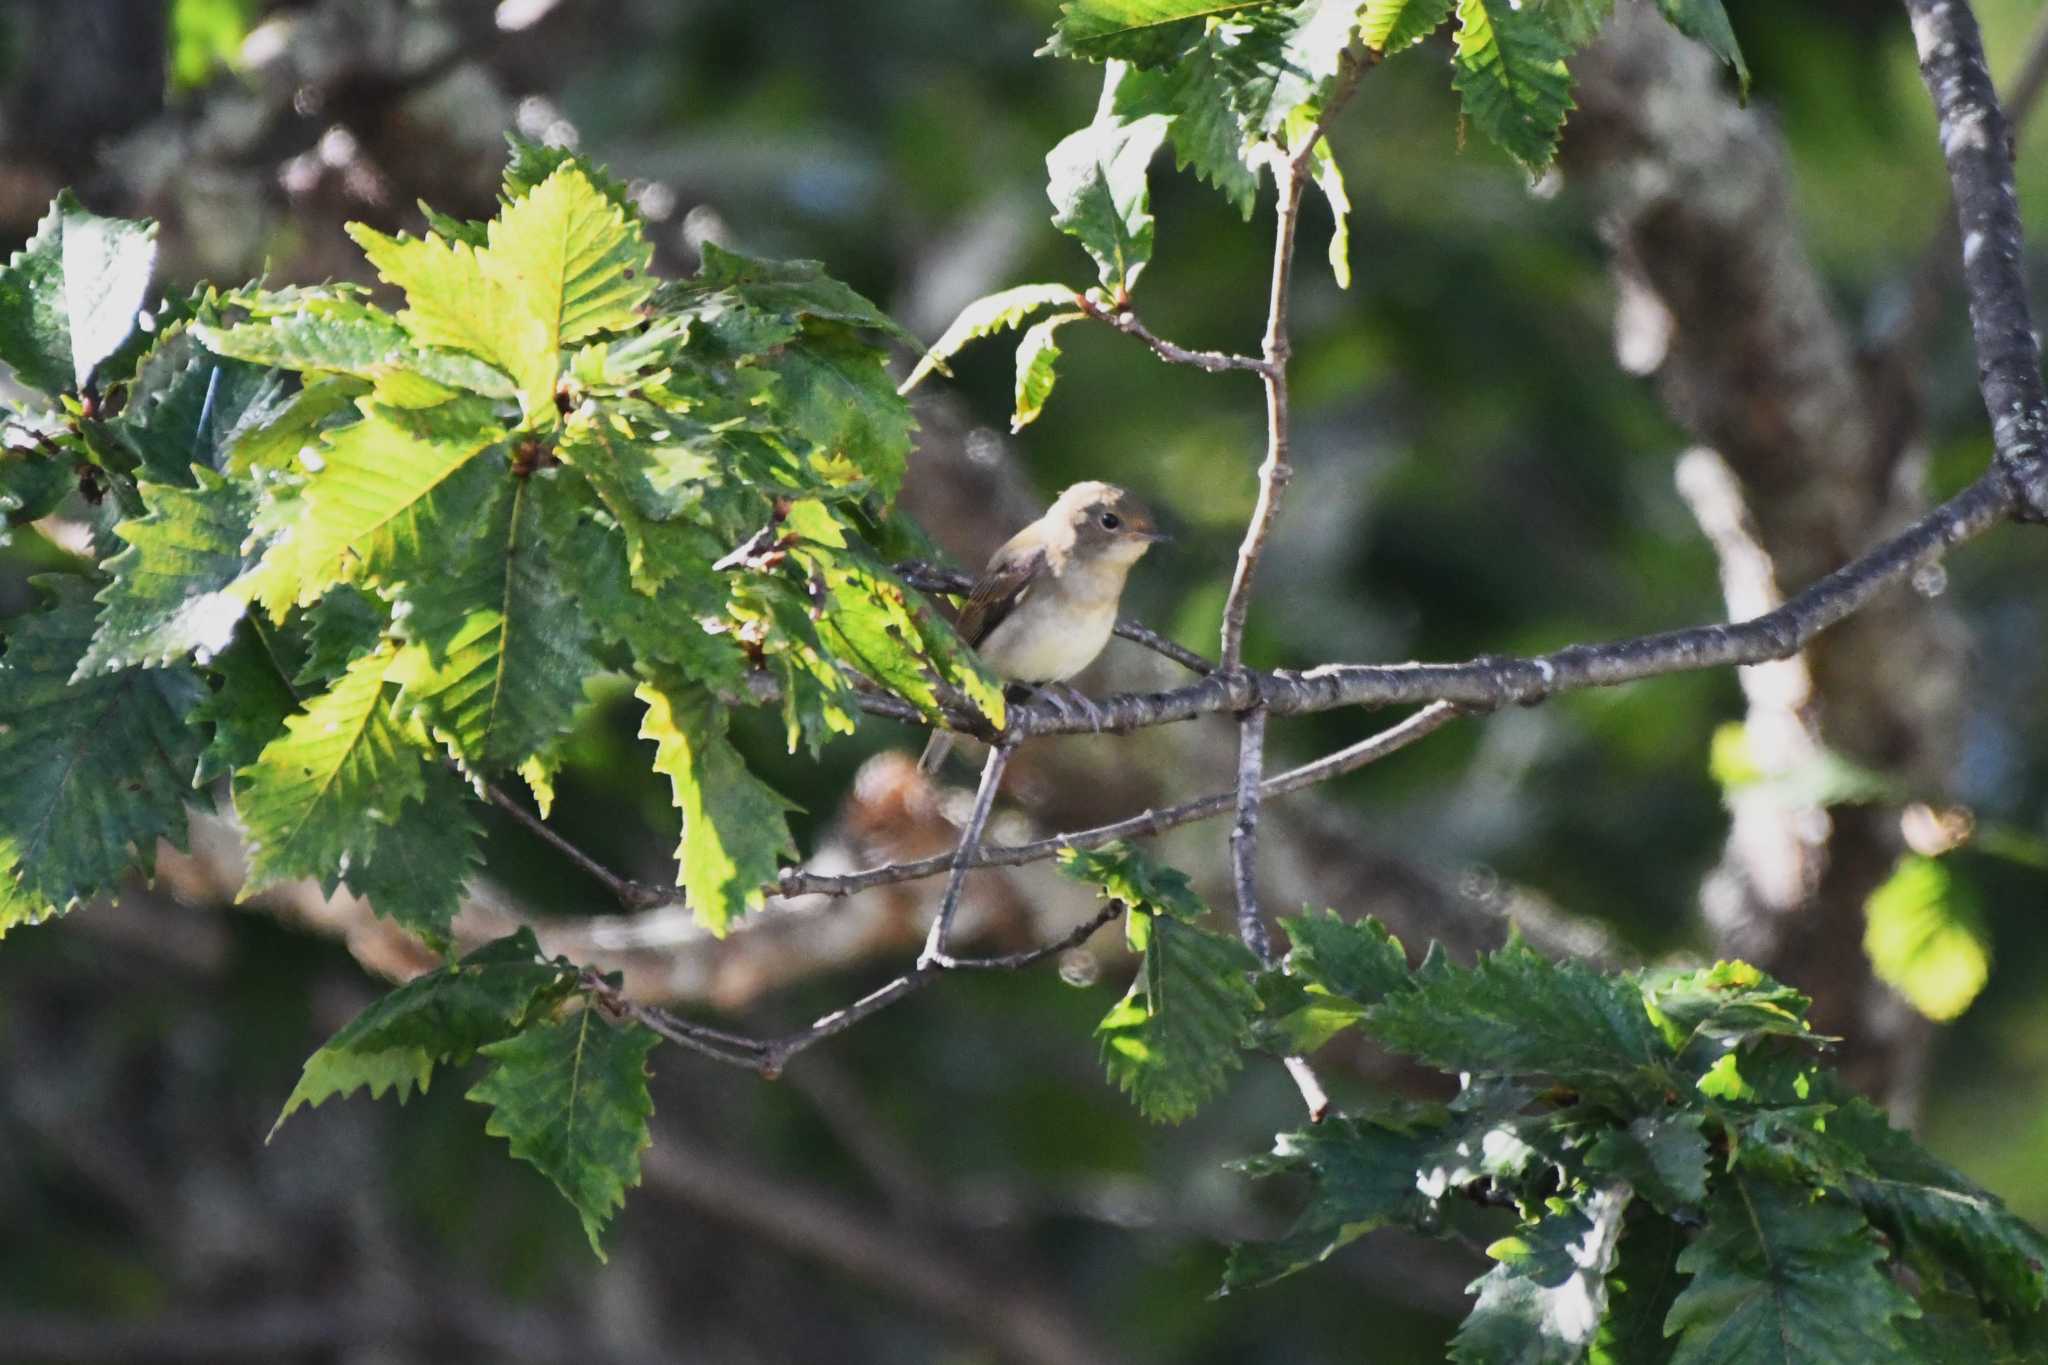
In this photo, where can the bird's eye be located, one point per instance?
(1110, 521)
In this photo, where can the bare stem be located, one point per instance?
(1244, 834)
(629, 893)
(936, 943)
(1126, 321)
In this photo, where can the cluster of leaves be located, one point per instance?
(1241, 86)
(1685, 1183)
(364, 564)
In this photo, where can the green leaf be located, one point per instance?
(986, 316)
(181, 586)
(246, 709)
(418, 866)
(837, 396)
(1207, 133)
(1707, 22)
(314, 801)
(1934, 1210)
(205, 36)
(1172, 1042)
(1096, 181)
(1640, 1291)
(1388, 26)
(1148, 32)
(92, 773)
(1663, 1156)
(498, 649)
(1394, 1166)
(571, 1097)
(1705, 1013)
(345, 624)
(564, 263)
(1277, 64)
(1329, 178)
(32, 483)
(1360, 960)
(366, 512)
(1542, 1305)
(444, 1015)
(1782, 1277)
(1121, 872)
(340, 337)
(1577, 22)
(1037, 355)
(187, 407)
(734, 830)
(531, 163)
(1510, 70)
(791, 290)
(70, 298)
(1515, 1013)
(1926, 937)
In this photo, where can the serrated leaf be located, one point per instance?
(1207, 133)
(368, 510)
(1391, 1167)
(564, 263)
(1172, 1042)
(837, 397)
(1147, 32)
(1930, 1207)
(1510, 72)
(186, 407)
(444, 1015)
(93, 773)
(246, 708)
(1388, 26)
(986, 316)
(1707, 22)
(1096, 181)
(1705, 1013)
(1037, 356)
(70, 298)
(31, 486)
(1780, 1277)
(182, 585)
(791, 290)
(571, 1098)
(1277, 64)
(418, 866)
(735, 833)
(1640, 1291)
(1359, 960)
(1663, 1156)
(1577, 22)
(1122, 872)
(1515, 1013)
(345, 338)
(498, 649)
(345, 624)
(1925, 935)
(1543, 1303)
(315, 799)
(531, 163)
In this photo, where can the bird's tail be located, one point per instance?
(935, 752)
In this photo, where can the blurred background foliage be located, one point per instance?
(1476, 473)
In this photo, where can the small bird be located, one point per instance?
(1045, 605)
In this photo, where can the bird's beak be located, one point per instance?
(1157, 537)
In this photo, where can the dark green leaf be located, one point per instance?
(1145, 32)
(1172, 1043)
(1663, 1156)
(246, 708)
(571, 1097)
(1359, 959)
(533, 162)
(1707, 21)
(1511, 73)
(1543, 1303)
(1577, 22)
(791, 290)
(836, 396)
(70, 298)
(1207, 132)
(189, 406)
(1640, 1291)
(345, 624)
(1784, 1277)
(1515, 1013)
(439, 1016)
(92, 773)
(418, 866)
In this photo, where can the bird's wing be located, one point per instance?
(1000, 588)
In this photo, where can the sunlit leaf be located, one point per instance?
(1926, 937)
(1510, 70)
(69, 299)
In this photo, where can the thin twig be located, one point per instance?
(1126, 321)
(936, 943)
(629, 893)
(795, 882)
(1244, 833)
(1977, 144)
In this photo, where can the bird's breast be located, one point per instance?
(1048, 639)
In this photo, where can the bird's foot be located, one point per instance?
(1070, 702)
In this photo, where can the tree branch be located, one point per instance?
(1126, 321)
(937, 943)
(1977, 144)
